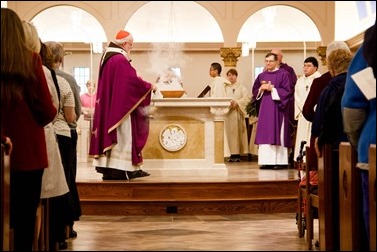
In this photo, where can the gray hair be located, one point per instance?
(57, 51)
(336, 45)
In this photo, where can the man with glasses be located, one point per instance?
(302, 89)
(274, 89)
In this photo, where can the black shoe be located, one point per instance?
(230, 160)
(280, 167)
(106, 177)
(237, 160)
(112, 174)
(72, 233)
(62, 245)
(139, 174)
(266, 167)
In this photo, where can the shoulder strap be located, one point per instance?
(53, 74)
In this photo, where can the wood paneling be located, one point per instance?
(119, 198)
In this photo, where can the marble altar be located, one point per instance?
(186, 137)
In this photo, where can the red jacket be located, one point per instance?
(24, 122)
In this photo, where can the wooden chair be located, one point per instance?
(328, 199)
(372, 197)
(312, 204)
(300, 165)
(307, 202)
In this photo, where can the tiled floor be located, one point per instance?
(244, 232)
(249, 232)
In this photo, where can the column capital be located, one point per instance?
(230, 55)
(321, 51)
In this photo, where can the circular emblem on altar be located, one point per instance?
(173, 137)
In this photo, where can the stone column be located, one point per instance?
(219, 137)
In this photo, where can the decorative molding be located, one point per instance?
(230, 55)
(198, 47)
(219, 113)
(173, 137)
(355, 42)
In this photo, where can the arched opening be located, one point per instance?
(68, 24)
(186, 22)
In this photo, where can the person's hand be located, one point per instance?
(154, 87)
(233, 104)
(8, 146)
(266, 86)
(316, 147)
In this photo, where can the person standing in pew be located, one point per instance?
(26, 107)
(74, 199)
(54, 184)
(328, 127)
(67, 136)
(359, 111)
(308, 110)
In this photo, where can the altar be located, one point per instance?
(186, 137)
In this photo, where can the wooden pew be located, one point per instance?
(6, 233)
(328, 209)
(372, 196)
(351, 223)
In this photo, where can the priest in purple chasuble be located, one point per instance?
(274, 89)
(120, 125)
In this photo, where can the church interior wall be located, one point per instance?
(195, 72)
(230, 16)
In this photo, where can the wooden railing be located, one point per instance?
(5, 189)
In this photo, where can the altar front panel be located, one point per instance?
(194, 147)
(204, 138)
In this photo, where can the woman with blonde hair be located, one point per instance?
(54, 184)
(328, 126)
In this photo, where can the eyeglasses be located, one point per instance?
(308, 65)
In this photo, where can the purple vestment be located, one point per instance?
(121, 93)
(272, 113)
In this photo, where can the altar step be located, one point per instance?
(187, 198)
